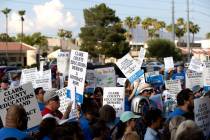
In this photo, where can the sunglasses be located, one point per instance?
(148, 90)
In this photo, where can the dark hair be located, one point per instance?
(37, 90)
(55, 98)
(98, 89)
(99, 128)
(107, 113)
(120, 129)
(90, 106)
(183, 95)
(46, 127)
(5, 80)
(152, 115)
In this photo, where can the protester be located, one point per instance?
(154, 121)
(100, 131)
(179, 75)
(98, 96)
(131, 136)
(173, 125)
(4, 85)
(46, 128)
(15, 123)
(52, 104)
(189, 130)
(89, 114)
(39, 92)
(15, 81)
(127, 124)
(185, 104)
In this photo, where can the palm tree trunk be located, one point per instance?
(193, 37)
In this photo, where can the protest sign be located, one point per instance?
(121, 81)
(130, 68)
(206, 74)
(149, 74)
(29, 75)
(155, 80)
(193, 79)
(174, 87)
(202, 114)
(141, 56)
(169, 63)
(115, 97)
(64, 101)
(77, 73)
(90, 78)
(23, 95)
(196, 65)
(63, 62)
(43, 80)
(149, 68)
(41, 65)
(105, 77)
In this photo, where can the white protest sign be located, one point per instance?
(64, 101)
(121, 81)
(22, 95)
(174, 87)
(202, 114)
(196, 65)
(206, 74)
(90, 78)
(130, 68)
(193, 79)
(77, 73)
(153, 73)
(141, 56)
(169, 63)
(105, 77)
(44, 80)
(41, 66)
(115, 97)
(29, 75)
(63, 62)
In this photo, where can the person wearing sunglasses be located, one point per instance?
(39, 92)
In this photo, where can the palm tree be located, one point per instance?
(21, 14)
(6, 11)
(194, 29)
(208, 36)
(146, 23)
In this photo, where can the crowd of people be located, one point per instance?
(142, 119)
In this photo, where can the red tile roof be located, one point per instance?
(15, 46)
(195, 50)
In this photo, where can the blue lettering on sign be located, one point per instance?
(155, 80)
(79, 98)
(206, 88)
(136, 76)
(68, 93)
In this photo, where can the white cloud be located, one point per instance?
(49, 16)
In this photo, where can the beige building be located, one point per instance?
(18, 53)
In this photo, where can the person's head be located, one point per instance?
(16, 117)
(107, 114)
(173, 125)
(131, 136)
(100, 130)
(185, 99)
(128, 86)
(154, 119)
(189, 130)
(146, 90)
(52, 100)
(129, 118)
(90, 109)
(46, 127)
(5, 84)
(179, 69)
(98, 92)
(39, 92)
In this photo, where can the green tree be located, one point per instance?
(103, 33)
(194, 29)
(160, 48)
(5, 37)
(208, 36)
(131, 24)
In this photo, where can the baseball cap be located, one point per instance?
(127, 115)
(50, 94)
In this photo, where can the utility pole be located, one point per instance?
(188, 30)
(173, 20)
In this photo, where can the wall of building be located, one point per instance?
(31, 57)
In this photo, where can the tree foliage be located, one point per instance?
(208, 36)
(5, 37)
(64, 34)
(160, 48)
(103, 33)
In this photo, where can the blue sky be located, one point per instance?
(47, 16)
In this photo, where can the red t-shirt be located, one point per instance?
(56, 113)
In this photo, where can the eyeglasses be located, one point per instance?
(148, 90)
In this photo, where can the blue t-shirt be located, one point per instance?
(12, 133)
(127, 104)
(84, 123)
(41, 106)
(176, 112)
